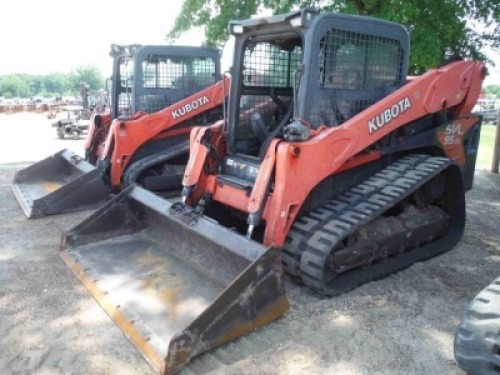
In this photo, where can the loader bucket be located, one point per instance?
(61, 183)
(177, 283)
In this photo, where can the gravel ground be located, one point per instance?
(403, 324)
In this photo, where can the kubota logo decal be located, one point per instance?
(186, 108)
(386, 116)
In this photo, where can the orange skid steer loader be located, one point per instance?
(330, 165)
(158, 93)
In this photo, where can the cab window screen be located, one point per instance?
(180, 72)
(267, 83)
(355, 70)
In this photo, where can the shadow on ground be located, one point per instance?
(403, 324)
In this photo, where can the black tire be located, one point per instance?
(477, 341)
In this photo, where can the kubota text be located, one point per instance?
(186, 108)
(388, 115)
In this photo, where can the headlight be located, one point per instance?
(237, 29)
(296, 22)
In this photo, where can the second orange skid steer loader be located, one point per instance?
(158, 93)
(331, 166)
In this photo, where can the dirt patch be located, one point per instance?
(404, 324)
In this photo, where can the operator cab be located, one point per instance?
(309, 68)
(320, 68)
(151, 78)
(266, 90)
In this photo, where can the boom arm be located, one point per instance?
(136, 132)
(455, 85)
(434, 91)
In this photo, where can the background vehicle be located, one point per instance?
(145, 132)
(490, 116)
(488, 109)
(477, 340)
(330, 165)
(74, 120)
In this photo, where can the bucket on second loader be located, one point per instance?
(61, 183)
(177, 283)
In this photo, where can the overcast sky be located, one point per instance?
(40, 36)
(56, 35)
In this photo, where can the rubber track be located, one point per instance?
(135, 169)
(477, 341)
(313, 236)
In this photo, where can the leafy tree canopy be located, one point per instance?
(493, 90)
(12, 86)
(52, 84)
(440, 28)
(88, 74)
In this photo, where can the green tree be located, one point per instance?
(55, 82)
(89, 74)
(439, 28)
(493, 90)
(52, 84)
(13, 85)
(36, 84)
